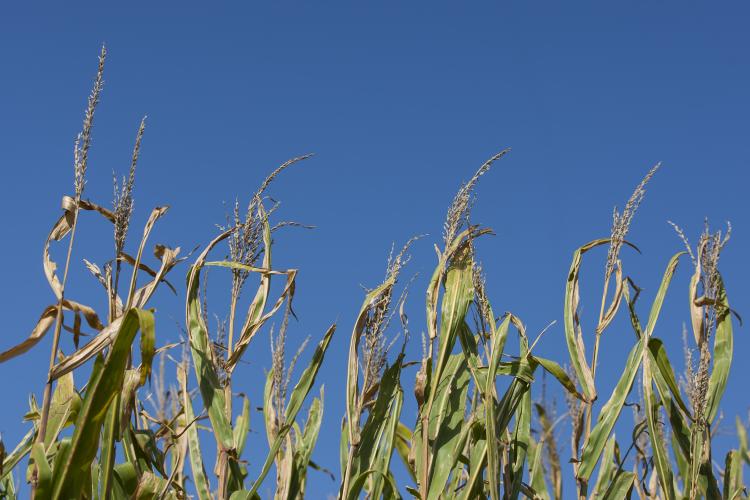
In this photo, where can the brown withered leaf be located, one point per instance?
(46, 320)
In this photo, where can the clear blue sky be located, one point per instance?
(400, 103)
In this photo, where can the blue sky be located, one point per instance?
(400, 104)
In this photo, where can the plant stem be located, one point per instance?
(223, 458)
(46, 398)
(582, 485)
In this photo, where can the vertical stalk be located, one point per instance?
(47, 397)
(595, 357)
(589, 410)
(222, 463)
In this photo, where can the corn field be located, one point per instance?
(158, 420)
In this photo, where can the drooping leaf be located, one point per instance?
(573, 335)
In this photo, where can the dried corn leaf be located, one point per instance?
(59, 230)
(155, 215)
(46, 320)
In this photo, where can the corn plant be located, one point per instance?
(82, 465)
(120, 447)
(473, 439)
(484, 428)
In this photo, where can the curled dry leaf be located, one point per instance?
(46, 320)
(169, 259)
(61, 228)
(156, 214)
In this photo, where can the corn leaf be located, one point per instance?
(592, 448)
(722, 354)
(106, 382)
(620, 486)
(211, 389)
(489, 395)
(451, 405)
(299, 393)
(44, 472)
(733, 483)
(305, 445)
(379, 431)
(21, 450)
(536, 469)
(573, 336)
(194, 446)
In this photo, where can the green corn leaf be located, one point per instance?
(469, 349)
(65, 402)
(390, 488)
(620, 486)
(658, 447)
(269, 416)
(242, 426)
(150, 457)
(520, 442)
(700, 469)
(722, 354)
(661, 293)
(93, 489)
(343, 447)
(454, 462)
(125, 480)
(522, 433)
(451, 406)
(733, 483)
(592, 448)
(559, 373)
(244, 495)
(607, 469)
(661, 458)
(21, 450)
(385, 449)
(379, 431)
(299, 393)
(44, 472)
(664, 376)
(60, 453)
(488, 394)
(352, 377)
(742, 437)
(150, 487)
(402, 441)
(106, 382)
(477, 460)
(107, 449)
(573, 336)
(536, 469)
(304, 447)
(682, 465)
(126, 400)
(211, 389)
(194, 446)
(458, 295)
